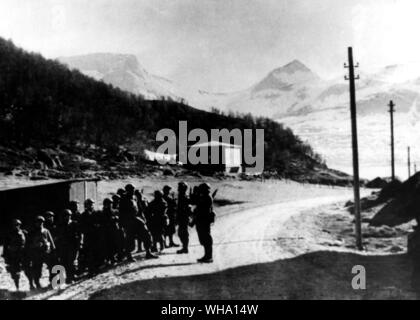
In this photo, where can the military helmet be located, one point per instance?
(158, 194)
(205, 186)
(130, 187)
(89, 201)
(16, 222)
(73, 202)
(182, 185)
(67, 213)
(167, 188)
(107, 201)
(116, 197)
(40, 218)
(49, 214)
(120, 192)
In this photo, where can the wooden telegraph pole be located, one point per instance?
(391, 112)
(408, 162)
(356, 182)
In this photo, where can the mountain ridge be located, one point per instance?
(47, 108)
(286, 90)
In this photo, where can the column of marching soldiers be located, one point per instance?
(84, 243)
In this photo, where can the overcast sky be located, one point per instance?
(220, 45)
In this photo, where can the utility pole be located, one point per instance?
(391, 112)
(408, 162)
(356, 182)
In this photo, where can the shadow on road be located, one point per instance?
(316, 275)
(154, 266)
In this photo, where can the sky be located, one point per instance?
(220, 45)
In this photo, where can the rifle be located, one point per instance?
(214, 193)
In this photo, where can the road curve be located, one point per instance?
(249, 237)
(240, 238)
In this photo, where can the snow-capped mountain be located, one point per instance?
(327, 125)
(123, 71)
(292, 89)
(316, 109)
(285, 90)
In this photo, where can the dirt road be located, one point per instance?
(252, 236)
(241, 238)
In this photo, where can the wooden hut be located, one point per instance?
(25, 203)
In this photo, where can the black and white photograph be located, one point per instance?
(226, 152)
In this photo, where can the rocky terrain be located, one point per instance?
(92, 161)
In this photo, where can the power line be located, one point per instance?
(391, 112)
(356, 181)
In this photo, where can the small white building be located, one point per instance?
(160, 157)
(229, 157)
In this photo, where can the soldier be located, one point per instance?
(148, 217)
(108, 214)
(141, 206)
(143, 233)
(133, 224)
(157, 213)
(128, 211)
(204, 217)
(116, 202)
(121, 192)
(76, 214)
(40, 246)
(118, 236)
(141, 203)
(118, 233)
(68, 244)
(183, 216)
(51, 225)
(171, 213)
(77, 218)
(14, 251)
(92, 242)
(50, 222)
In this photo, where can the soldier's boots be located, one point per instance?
(205, 260)
(208, 255)
(172, 244)
(182, 251)
(150, 255)
(162, 245)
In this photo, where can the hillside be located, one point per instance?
(314, 108)
(48, 111)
